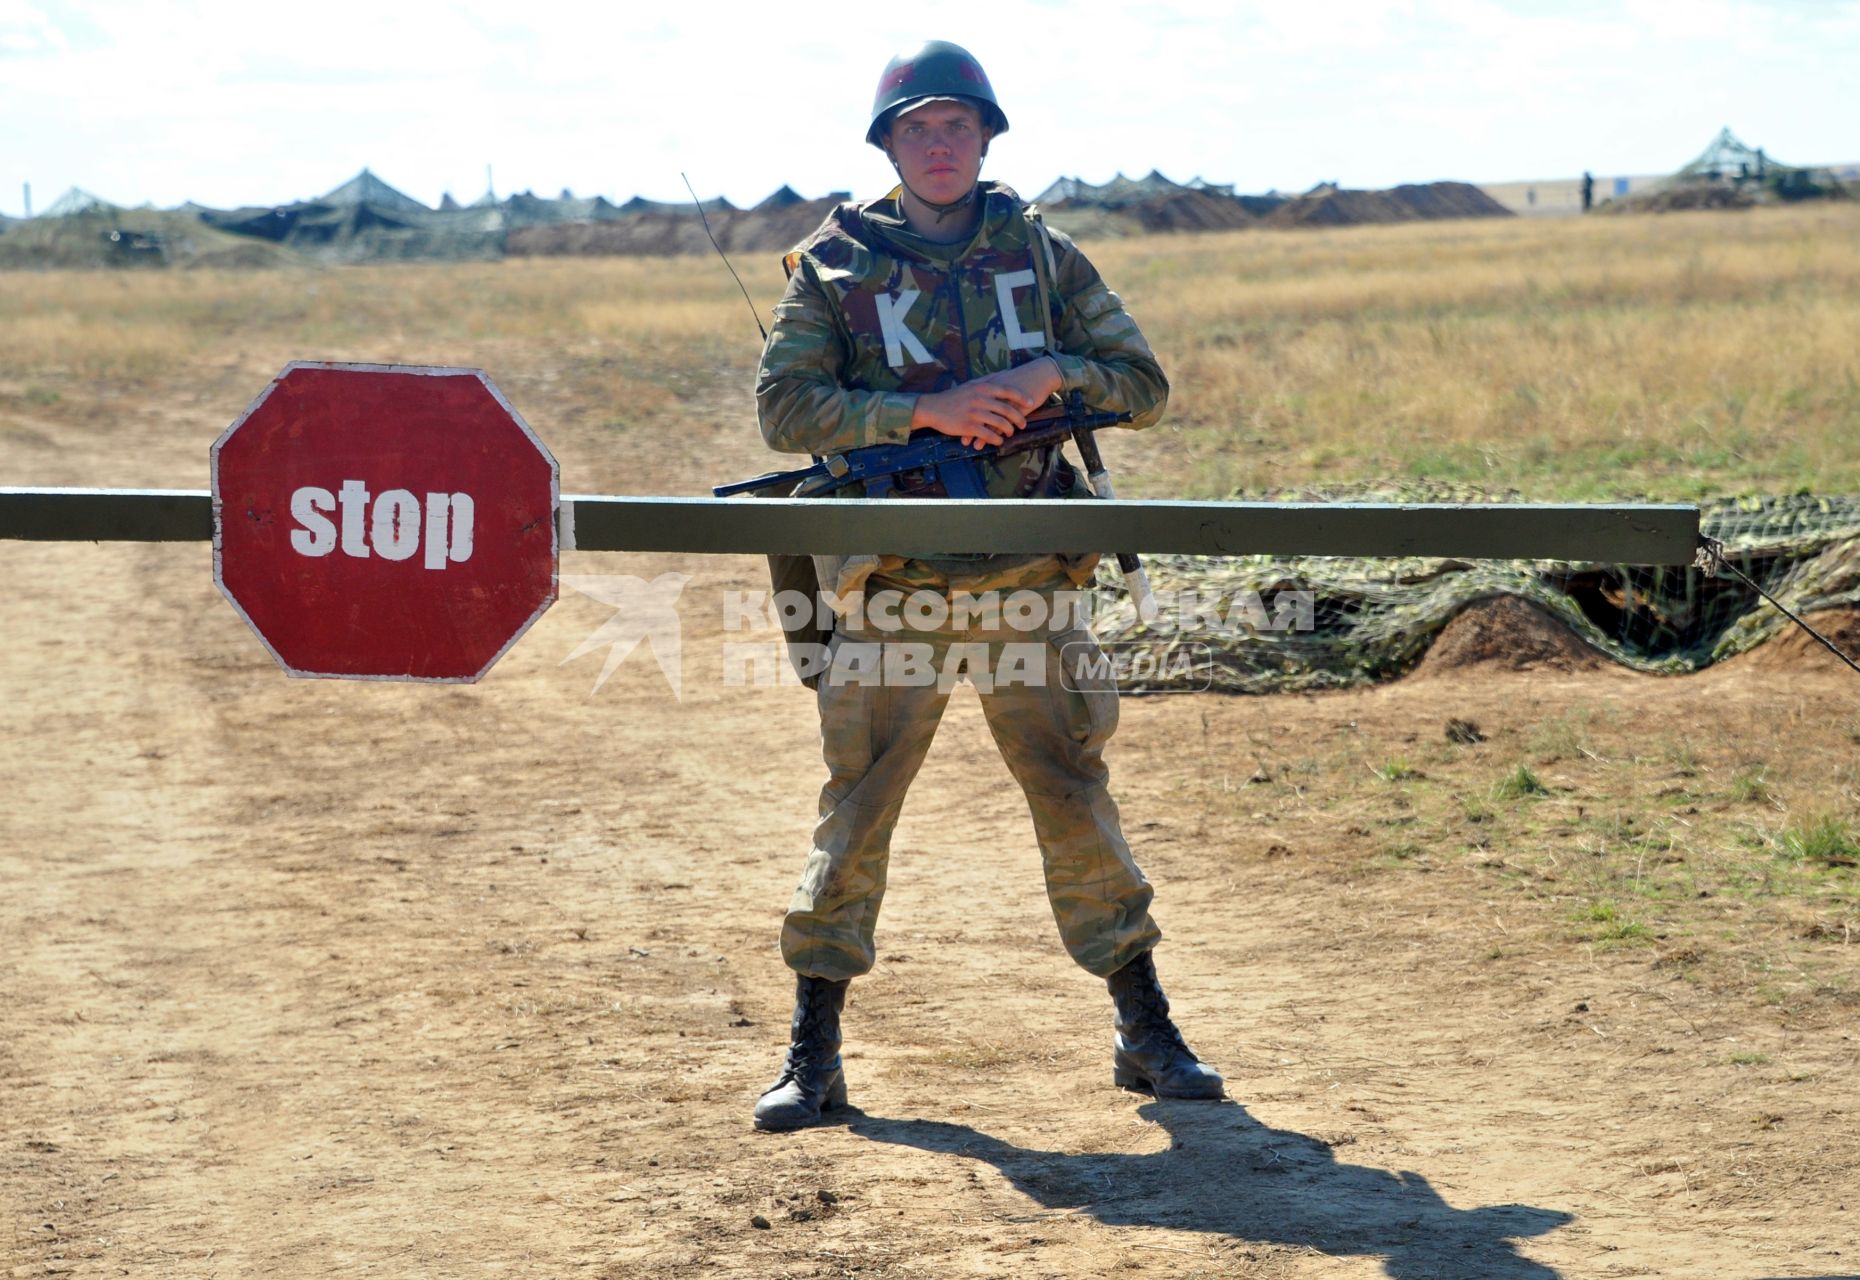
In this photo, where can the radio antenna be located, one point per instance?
(726, 261)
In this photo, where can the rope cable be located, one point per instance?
(1711, 559)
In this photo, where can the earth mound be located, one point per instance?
(1180, 210)
(1793, 649)
(1191, 211)
(1507, 633)
(1450, 200)
(1330, 206)
(1333, 207)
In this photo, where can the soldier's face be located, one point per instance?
(938, 148)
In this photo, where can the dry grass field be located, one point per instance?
(321, 979)
(1676, 357)
(1668, 356)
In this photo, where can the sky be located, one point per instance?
(231, 102)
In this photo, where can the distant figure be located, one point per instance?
(1530, 196)
(1588, 191)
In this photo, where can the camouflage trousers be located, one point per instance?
(878, 715)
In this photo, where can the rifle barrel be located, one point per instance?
(767, 481)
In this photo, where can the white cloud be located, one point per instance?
(27, 30)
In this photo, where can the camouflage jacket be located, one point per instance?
(874, 316)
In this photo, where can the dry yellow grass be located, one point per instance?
(130, 324)
(1681, 356)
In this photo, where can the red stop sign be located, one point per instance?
(384, 522)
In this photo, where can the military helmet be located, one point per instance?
(938, 70)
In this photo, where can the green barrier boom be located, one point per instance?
(1635, 533)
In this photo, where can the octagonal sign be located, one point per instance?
(384, 522)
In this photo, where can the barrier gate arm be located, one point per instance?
(1628, 533)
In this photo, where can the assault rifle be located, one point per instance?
(935, 458)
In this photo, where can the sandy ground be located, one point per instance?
(308, 978)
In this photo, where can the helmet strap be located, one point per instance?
(941, 212)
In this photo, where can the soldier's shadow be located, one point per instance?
(1225, 1172)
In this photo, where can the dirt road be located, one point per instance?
(319, 979)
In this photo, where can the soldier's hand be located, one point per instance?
(1034, 381)
(981, 412)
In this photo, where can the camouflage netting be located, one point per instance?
(1374, 619)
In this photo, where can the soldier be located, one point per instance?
(948, 306)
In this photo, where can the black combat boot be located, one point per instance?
(1151, 1056)
(811, 1079)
